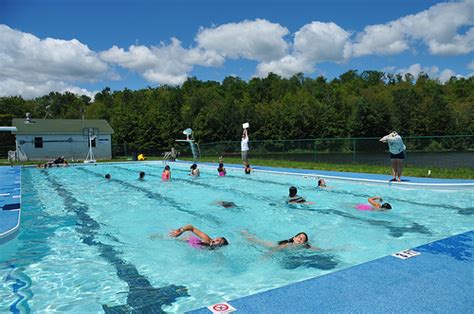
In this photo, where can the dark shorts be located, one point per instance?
(245, 155)
(397, 156)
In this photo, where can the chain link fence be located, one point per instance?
(423, 151)
(453, 151)
(125, 152)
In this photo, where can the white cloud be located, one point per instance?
(379, 39)
(314, 43)
(172, 64)
(437, 27)
(286, 67)
(433, 72)
(258, 40)
(165, 64)
(416, 69)
(12, 87)
(31, 66)
(319, 42)
(446, 74)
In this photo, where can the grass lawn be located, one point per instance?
(457, 173)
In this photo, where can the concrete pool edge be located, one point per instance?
(337, 175)
(355, 176)
(439, 280)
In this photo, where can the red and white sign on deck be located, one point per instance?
(221, 308)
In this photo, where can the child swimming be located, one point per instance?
(375, 204)
(166, 174)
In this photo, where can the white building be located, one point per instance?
(44, 139)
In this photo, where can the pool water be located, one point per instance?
(91, 245)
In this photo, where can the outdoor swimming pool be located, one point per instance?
(88, 245)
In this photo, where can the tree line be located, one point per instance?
(367, 104)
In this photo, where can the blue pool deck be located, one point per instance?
(10, 202)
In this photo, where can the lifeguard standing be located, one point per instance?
(244, 145)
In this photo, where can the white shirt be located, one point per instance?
(244, 145)
(395, 143)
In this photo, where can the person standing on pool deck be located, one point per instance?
(397, 154)
(244, 147)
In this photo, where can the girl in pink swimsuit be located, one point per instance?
(375, 203)
(194, 242)
(221, 170)
(166, 174)
(199, 239)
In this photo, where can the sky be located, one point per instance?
(83, 46)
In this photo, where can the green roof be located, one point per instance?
(60, 126)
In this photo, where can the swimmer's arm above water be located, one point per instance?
(374, 201)
(177, 232)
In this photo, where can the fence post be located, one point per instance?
(354, 150)
(283, 151)
(315, 150)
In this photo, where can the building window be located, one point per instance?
(92, 143)
(38, 142)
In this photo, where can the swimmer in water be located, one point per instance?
(300, 240)
(200, 239)
(221, 170)
(294, 198)
(376, 204)
(226, 204)
(166, 174)
(194, 170)
(247, 169)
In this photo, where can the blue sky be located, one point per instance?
(84, 46)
